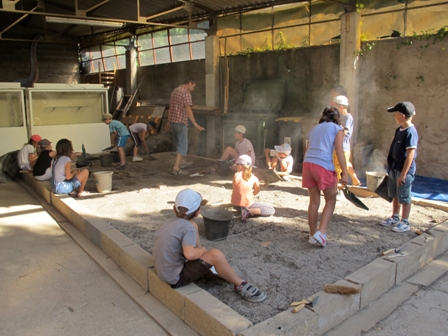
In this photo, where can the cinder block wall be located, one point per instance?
(58, 63)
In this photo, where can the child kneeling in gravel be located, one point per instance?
(180, 258)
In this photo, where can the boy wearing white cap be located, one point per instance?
(180, 258)
(282, 155)
(242, 146)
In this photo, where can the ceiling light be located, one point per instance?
(84, 22)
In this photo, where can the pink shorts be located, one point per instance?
(314, 175)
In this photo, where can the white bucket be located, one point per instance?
(374, 179)
(103, 180)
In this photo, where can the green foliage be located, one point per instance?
(364, 48)
(280, 45)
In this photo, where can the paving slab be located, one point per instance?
(49, 286)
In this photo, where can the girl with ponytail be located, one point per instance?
(245, 187)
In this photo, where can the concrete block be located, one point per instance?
(441, 241)
(428, 247)
(375, 279)
(93, 228)
(332, 309)
(431, 272)
(79, 214)
(409, 264)
(209, 316)
(286, 323)
(441, 227)
(112, 242)
(29, 179)
(174, 299)
(56, 201)
(135, 261)
(43, 188)
(376, 311)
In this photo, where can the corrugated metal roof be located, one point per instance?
(159, 11)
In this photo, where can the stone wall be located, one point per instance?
(394, 71)
(58, 63)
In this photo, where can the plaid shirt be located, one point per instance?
(180, 98)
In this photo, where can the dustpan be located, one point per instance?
(381, 191)
(353, 199)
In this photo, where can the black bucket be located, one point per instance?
(217, 222)
(224, 167)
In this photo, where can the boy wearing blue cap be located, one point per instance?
(401, 166)
(180, 258)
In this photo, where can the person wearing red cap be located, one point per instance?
(26, 158)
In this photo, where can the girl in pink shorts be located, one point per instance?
(318, 172)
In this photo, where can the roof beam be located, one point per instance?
(16, 21)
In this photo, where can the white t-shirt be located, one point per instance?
(245, 146)
(289, 163)
(138, 127)
(23, 155)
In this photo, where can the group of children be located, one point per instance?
(179, 256)
(55, 166)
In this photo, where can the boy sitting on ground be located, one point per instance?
(180, 258)
(242, 146)
(280, 160)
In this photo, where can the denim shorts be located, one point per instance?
(180, 138)
(67, 186)
(402, 192)
(121, 141)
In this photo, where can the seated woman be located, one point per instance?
(280, 160)
(42, 168)
(26, 158)
(64, 180)
(245, 187)
(242, 146)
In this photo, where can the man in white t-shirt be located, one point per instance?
(242, 146)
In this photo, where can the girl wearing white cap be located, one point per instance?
(245, 187)
(242, 146)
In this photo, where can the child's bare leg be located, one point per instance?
(135, 152)
(327, 212)
(216, 258)
(406, 211)
(283, 166)
(82, 176)
(274, 162)
(352, 173)
(267, 155)
(313, 208)
(121, 155)
(229, 151)
(396, 206)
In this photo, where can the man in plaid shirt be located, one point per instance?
(179, 113)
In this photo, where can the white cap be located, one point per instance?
(241, 129)
(285, 149)
(244, 160)
(189, 199)
(341, 100)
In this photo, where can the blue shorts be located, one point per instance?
(402, 192)
(121, 141)
(67, 186)
(180, 138)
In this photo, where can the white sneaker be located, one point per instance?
(321, 238)
(403, 226)
(339, 196)
(137, 159)
(390, 221)
(312, 241)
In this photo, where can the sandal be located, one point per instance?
(250, 293)
(178, 172)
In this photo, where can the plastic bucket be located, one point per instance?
(374, 179)
(106, 160)
(217, 223)
(103, 180)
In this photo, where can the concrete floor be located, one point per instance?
(49, 285)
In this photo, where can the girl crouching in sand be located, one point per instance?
(65, 180)
(319, 173)
(245, 187)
